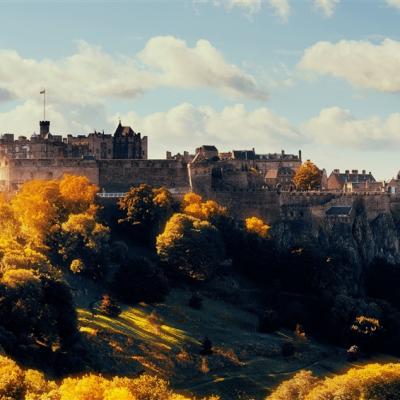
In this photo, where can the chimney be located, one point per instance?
(300, 155)
(354, 171)
(363, 171)
(44, 128)
(336, 171)
(347, 172)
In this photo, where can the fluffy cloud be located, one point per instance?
(363, 64)
(175, 64)
(393, 3)
(91, 74)
(186, 127)
(281, 8)
(327, 7)
(338, 126)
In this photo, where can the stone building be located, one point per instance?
(241, 170)
(124, 144)
(341, 181)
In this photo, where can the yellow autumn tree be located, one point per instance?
(77, 193)
(307, 177)
(194, 205)
(258, 226)
(42, 204)
(371, 381)
(36, 207)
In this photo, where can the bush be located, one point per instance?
(139, 280)
(109, 306)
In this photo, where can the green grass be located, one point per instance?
(165, 339)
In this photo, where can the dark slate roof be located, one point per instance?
(209, 148)
(244, 154)
(353, 178)
(337, 211)
(124, 130)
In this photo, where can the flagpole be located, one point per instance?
(44, 105)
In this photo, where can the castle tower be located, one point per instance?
(44, 128)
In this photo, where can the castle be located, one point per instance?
(117, 162)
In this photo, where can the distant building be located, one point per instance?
(242, 170)
(339, 181)
(124, 144)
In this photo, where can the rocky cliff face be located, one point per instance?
(357, 240)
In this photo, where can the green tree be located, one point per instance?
(36, 309)
(190, 247)
(147, 208)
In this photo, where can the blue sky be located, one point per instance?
(316, 75)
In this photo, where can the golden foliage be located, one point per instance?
(366, 325)
(77, 193)
(36, 207)
(307, 177)
(16, 383)
(258, 226)
(85, 225)
(19, 277)
(371, 381)
(194, 205)
(296, 388)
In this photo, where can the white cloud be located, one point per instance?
(339, 127)
(363, 64)
(174, 64)
(91, 75)
(281, 8)
(250, 6)
(327, 7)
(185, 127)
(393, 3)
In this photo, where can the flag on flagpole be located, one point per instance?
(43, 91)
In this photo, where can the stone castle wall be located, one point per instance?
(109, 175)
(120, 175)
(14, 172)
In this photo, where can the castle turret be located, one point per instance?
(44, 128)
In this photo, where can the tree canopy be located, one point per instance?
(190, 247)
(307, 177)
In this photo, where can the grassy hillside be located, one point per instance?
(165, 339)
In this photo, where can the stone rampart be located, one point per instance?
(120, 175)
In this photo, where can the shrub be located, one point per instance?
(109, 306)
